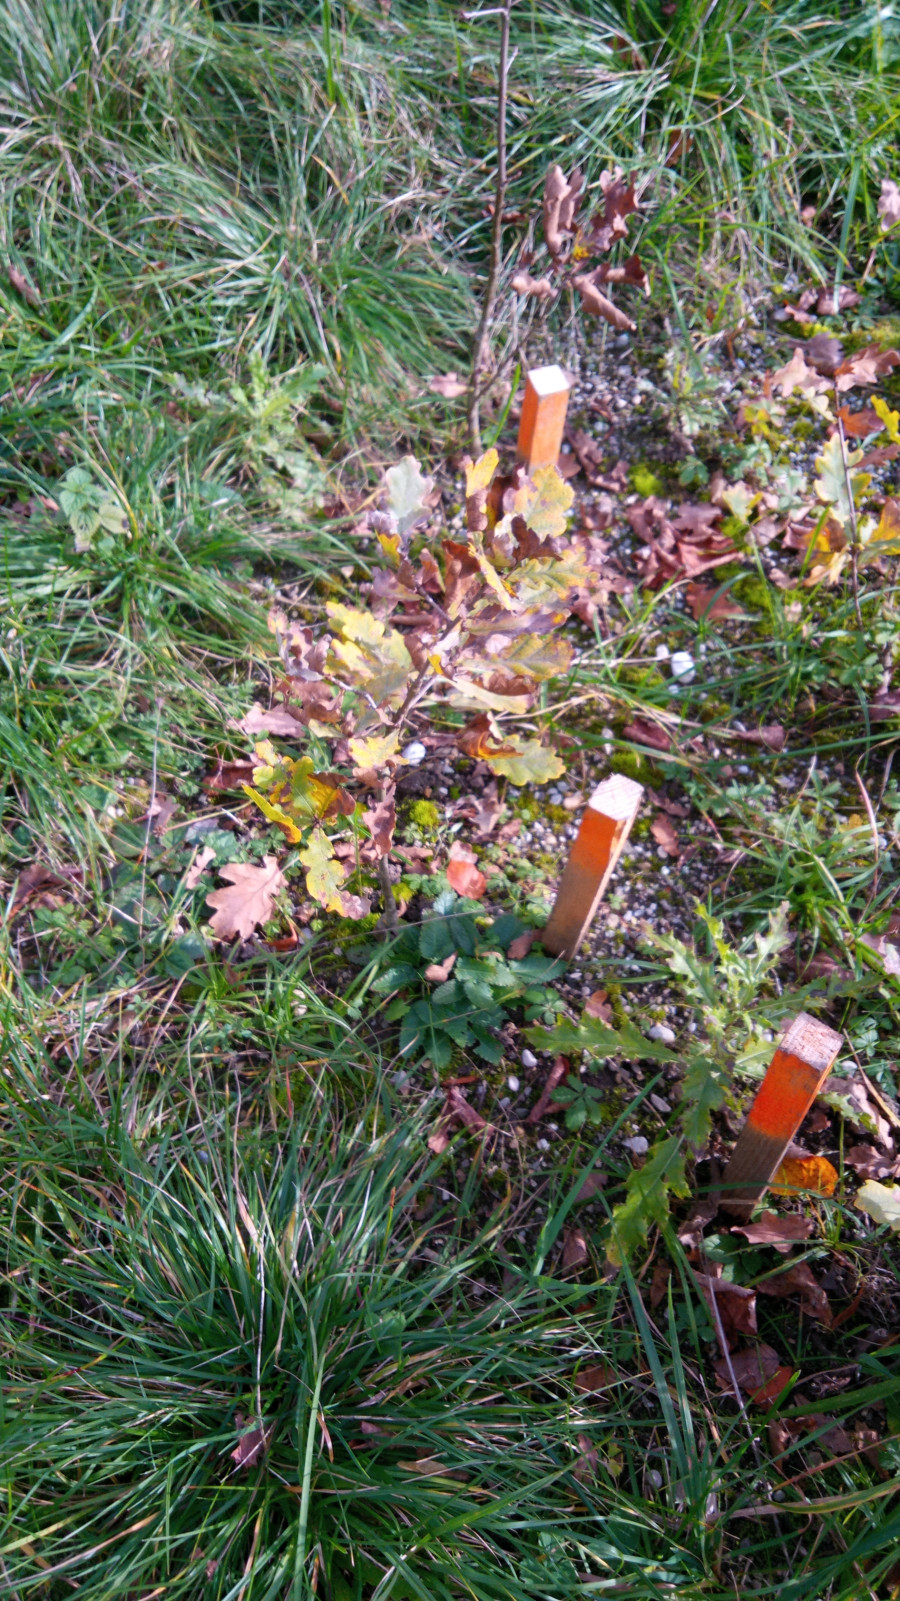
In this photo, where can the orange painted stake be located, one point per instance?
(601, 838)
(799, 1068)
(543, 417)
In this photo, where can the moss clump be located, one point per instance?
(633, 765)
(644, 481)
(752, 591)
(424, 814)
(885, 334)
(641, 677)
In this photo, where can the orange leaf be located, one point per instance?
(773, 1387)
(463, 875)
(805, 1173)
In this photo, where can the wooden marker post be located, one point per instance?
(543, 417)
(799, 1068)
(605, 827)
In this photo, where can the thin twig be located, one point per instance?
(482, 338)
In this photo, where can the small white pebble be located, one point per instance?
(660, 1102)
(638, 1144)
(654, 1479)
(682, 665)
(513, 1082)
(414, 753)
(662, 653)
(659, 1031)
(528, 1060)
(543, 1145)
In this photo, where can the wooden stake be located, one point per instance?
(604, 829)
(543, 417)
(799, 1068)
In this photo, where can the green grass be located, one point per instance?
(248, 233)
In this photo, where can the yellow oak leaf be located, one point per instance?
(479, 473)
(545, 514)
(275, 814)
(375, 750)
(324, 874)
(891, 419)
(881, 1201)
(528, 763)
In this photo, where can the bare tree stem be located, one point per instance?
(482, 338)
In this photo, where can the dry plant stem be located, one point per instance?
(854, 547)
(391, 914)
(482, 338)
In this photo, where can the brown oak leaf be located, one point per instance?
(249, 899)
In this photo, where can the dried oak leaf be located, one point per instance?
(251, 1445)
(866, 367)
(640, 732)
(538, 288)
(198, 867)
(665, 836)
(463, 875)
(277, 720)
(824, 353)
(599, 305)
(556, 191)
(22, 286)
(713, 605)
(798, 1280)
(456, 1109)
(868, 1162)
(736, 1306)
(772, 736)
(753, 1367)
(381, 820)
(249, 900)
(574, 1250)
(772, 1228)
(619, 204)
(797, 375)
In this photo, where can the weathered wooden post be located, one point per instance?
(543, 417)
(605, 827)
(798, 1069)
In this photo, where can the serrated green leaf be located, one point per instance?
(704, 1089)
(504, 929)
(400, 975)
(448, 994)
(489, 1049)
(435, 940)
(576, 1116)
(647, 1201)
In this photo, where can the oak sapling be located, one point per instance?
(573, 246)
(467, 625)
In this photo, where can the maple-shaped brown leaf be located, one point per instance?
(713, 605)
(796, 374)
(599, 305)
(629, 271)
(776, 1229)
(888, 207)
(798, 1280)
(249, 900)
(277, 720)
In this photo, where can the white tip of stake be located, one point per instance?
(548, 380)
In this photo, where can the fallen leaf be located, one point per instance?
(866, 367)
(591, 1380)
(22, 286)
(868, 1162)
(665, 835)
(439, 972)
(575, 1250)
(592, 1186)
(599, 305)
(825, 353)
(797, 375)
(881, 1201)
(449, 385)
(198, 867)
(888, 207)
(588, 1459)
(805, 1173)
(277, 720)
(772, 1228)
(381, 820)
(659, 1284)
(249, 900)
(456, 1109)
(773, 1388)
(229, 775)
(640, 732)
(598, 1006)
(521, 945)
(463, 875)
(539, 288)
(860, 424)
(36, 882)
(798, 1280)
(530, 763)
(736, 1306)
(250, 1446)
(324, 873)
(753, 1367)
(772, 736)
(714, 605)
